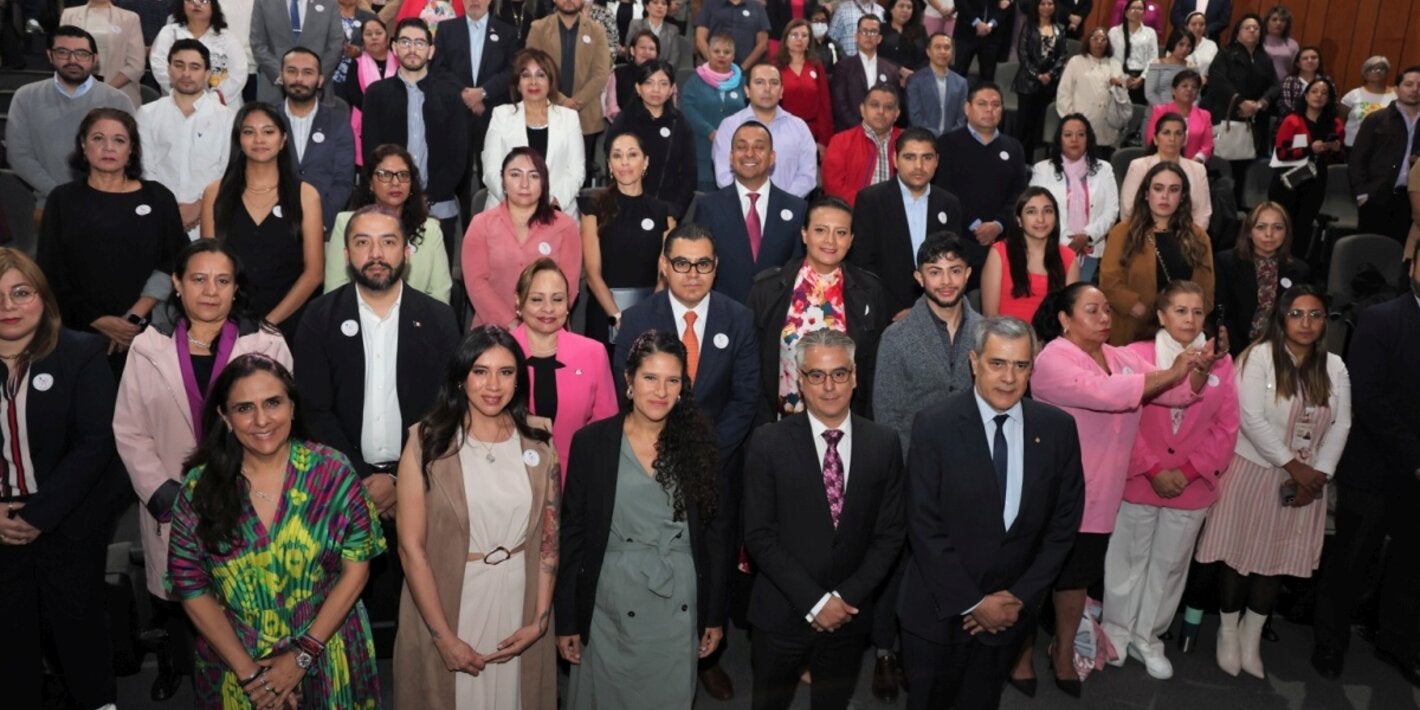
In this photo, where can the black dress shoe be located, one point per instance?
(1327, 661)
(165, 686)
(717, 683)
(1409, 668)
(1073, 687)
(885, 678)
(1025, 685)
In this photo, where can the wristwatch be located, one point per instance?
(303, 659)
(135, 319)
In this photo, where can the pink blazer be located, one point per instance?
(1200, 130)
(493, 259)
(585, 389)
(1106, 407)
(1202, 448)
(152, 425)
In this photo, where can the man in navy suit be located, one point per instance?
(484, 77)
(995, 491)
(320, 132)
(752, 204)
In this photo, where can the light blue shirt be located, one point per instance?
(83, 88)
(916, 208)
(476, 34)
(416, 143)
(1015, 452)
(795, 168)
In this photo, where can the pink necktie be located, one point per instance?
(752, 225)
(833, 475)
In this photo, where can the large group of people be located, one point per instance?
(393, 370)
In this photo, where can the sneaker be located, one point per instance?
(1156, 663)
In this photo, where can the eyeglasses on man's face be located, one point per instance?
(817, 377)
(63, 54)
(682, 265)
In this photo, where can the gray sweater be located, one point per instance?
(42, 126)
(915, 370)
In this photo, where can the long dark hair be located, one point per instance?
(219, 20)
(217, 498)
(605, 199)
(1046, 320)
(1307, 377)
(1141, 223)
(1326, 120)
(1016, 252)
(1057, 156)
(234, 180)
(1124, 30)
(240, 297)
(687, 456)
(443, 430)
(415, 211)
(79, 163)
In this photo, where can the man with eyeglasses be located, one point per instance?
(423, 111)
(719, 338)
(822, 475)
(855, 76)
(184, 134)
(372, 354)
(842, 28)
(278, 26)
(44, 116)
(996, 491)
(321, 135)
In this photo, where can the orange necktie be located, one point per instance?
(692, 345)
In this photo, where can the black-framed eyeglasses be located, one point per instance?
(62, 54)
(817, 377)
(683, 266)
(388, 176)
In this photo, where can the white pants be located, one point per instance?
(1144, 572)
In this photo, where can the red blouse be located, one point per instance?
(806, 96)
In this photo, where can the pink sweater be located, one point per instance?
(493, 260)
(1202, 447)
(1106, 407)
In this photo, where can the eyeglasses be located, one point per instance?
(19, 296)
(1299, 314)
(388, 176)
(407, 42)
(683, 266)
(818, 377)
(198, 3)
(63, 54)
(869, 33)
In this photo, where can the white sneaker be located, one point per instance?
(1156, 663)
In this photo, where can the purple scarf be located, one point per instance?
(226, 341)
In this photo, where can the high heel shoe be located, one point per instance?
(1027, 686)
(1189, 628)
(1072, 687)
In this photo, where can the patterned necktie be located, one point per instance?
(833, 475)
(296, 18)
(753, 226)
(999, 453)
(692, 345)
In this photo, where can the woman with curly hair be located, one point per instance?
(480, 489)
(644, 556)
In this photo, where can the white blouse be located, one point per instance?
(1143, 46)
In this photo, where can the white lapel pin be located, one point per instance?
(350, 328)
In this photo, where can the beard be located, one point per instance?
(932, 296)
(298, 93)
(394, 275)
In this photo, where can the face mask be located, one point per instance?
(820, 29)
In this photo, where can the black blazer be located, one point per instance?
(1236, 292)
(1383, 450)
(1235, 74)
(726, 382)
(959, 551)
(331, 369)
(1034, 61)
(1065, 8)
(588, 499)
(69, 416)
(446, 126)
(868, 312)
(790, 536)
(494, 69)
(850, 86)
(882, 243)
(719, 212)
(329, 160)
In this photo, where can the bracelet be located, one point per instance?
(309, 644)
(260, 671)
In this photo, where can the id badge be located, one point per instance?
(1302, 439)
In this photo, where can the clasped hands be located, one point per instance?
(834, 614)
(997, 612)
(460, 657)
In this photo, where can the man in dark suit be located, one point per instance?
(995, 491)
(863, 309)
(1216, 15)
(753, 230)
(726, 374)
(1385, 152)
(484, 77)
(372, 355)
(442, 158)
(1377, 491)
(892, 219)
(983, 27)
(320, 132)
(854, 76)
(823, 523)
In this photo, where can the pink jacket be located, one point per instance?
(1200, 130)
(1106, 407)
(585, 389)
(152, 425)
(493, 259)
(1202, 448)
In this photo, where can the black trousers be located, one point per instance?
(1386, 214)
(1030, 120)
(382, 592)
(52, 597)
(970, 47)
(778, 659)
(968, 675)
(1302, 205)
(885, 609)
(1360, 530)
(1399, 628)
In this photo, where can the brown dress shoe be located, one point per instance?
(885, 678)
(717, 683)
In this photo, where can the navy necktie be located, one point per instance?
(999, 453)
(296, 18)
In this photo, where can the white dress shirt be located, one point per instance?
(301, 129)
(1015, 452)
(701, 311)
(845, 452)
(761, 204)
(381, 425)
(870, 68)
(185, 153)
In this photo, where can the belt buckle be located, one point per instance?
(489, 560)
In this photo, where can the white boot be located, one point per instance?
(1228, 652)
(1249, 638)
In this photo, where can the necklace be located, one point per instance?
(268, 497)
(262, 190)
(205, 345)
(488, 447)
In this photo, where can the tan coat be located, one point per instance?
(1137, 282)
(420, 678)
(593, 64)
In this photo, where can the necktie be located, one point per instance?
(296, 18)
(999, 453)
(692, 345)
(752, 225)
(833, 475)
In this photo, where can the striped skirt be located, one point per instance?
(1250, 531)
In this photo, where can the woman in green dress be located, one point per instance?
(271, 541)
(644, 556)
